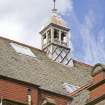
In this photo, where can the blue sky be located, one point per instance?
(88, 30)
(21, 20)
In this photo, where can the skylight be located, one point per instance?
(22, 49)
(70, 88)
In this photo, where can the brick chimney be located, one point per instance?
(97, 88)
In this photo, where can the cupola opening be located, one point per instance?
(56, 34)
(44, 39)
(49, 35)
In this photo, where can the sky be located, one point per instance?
(21, 20)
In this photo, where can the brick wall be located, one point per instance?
(97, 92)
(97, 88)
(16, 92)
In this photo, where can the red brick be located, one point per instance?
(16, 92)
(99, 77)
(99, 91)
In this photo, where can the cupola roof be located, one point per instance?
(55, 19)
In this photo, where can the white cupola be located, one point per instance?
(55, 39)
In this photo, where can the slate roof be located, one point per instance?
(41, 70)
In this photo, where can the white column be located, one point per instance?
(60, 36)
(42, 41)
(1, 101)
(52, 34)
(68, 38)
(29, 99)
(46, 37)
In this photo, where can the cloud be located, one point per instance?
(21, 20)
(100, 42)
(93, 44)
(86, 33)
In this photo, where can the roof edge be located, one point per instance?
(54, 25)
(32, 85)
(67, 96)
(18, 81)
(81, 63)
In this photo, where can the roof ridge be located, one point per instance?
(79, 62)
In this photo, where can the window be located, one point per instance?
(22, 49)
(9, 102)
(48, 101)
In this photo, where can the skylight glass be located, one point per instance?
(70, 88)
(22, 49)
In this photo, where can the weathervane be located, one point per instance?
(54, 3)
(54, 9)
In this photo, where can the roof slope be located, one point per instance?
(40, 71)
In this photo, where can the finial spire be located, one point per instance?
(54, 3)
(54, 8)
